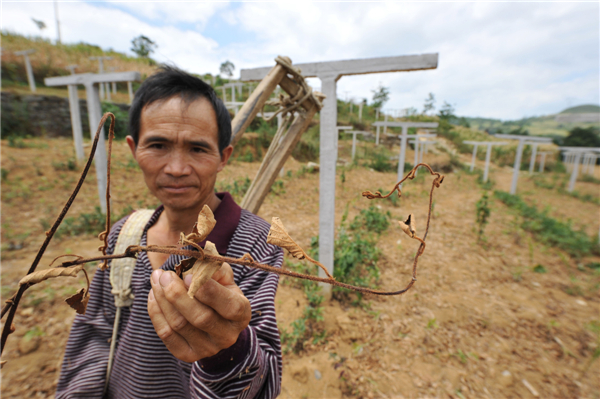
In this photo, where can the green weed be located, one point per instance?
(539, 269)
(548, 230)
(372, 219)
(483, 214)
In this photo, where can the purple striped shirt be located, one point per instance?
(143, 367)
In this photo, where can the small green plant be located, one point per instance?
(372, 219)
(539, 269)
(306, 327)
(380, 162)
(548, 230)
(34, 332)
(71, 164)
(4, 173)
(432, 323)
(238, 189)
(483, 214)
(278, 187)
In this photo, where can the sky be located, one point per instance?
(504, 60)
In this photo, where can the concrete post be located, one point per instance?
(28, 69)
(130, 91)
(473, 157)
(533, 157)
(542, 162)
(94, 116)
(327, 159)
(377, 136)
(401, 158)
(75, 117)
(488, 155)
(517, 166)
(385, 118)
(416, 142)
(360, 107)
(76, 122)
(575, 171)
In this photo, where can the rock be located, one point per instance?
(313, 167)
(317, 374)
(28, 345)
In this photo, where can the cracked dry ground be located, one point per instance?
(478, 323)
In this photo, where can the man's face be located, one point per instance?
(178, 151)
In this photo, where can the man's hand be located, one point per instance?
(196, 328)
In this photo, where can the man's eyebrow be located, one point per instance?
(154, 139)
(199, 143)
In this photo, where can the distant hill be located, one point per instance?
(587, 108)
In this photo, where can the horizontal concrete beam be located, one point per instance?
(524, 138)
(406, 124)
(86, 78)
(580, 149)
(486, 142)
(25, 52)
(359, 66)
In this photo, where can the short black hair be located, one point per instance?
(169, 82)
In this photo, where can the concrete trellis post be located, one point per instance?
(523, 140)
(92, 82)
(404, 137)
(474, 155)
(354, 133)
(75, 117)
(533, 157)
(575, 154)
(360, 107)
(100, 71)
(130, 91)
(419, 144)
(329, 73)
(488, 154)
(30, 79)
(543, 160)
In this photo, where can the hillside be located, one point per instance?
(581, 109)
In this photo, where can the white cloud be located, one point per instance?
(503, 60)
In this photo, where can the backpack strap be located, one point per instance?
(121, 271)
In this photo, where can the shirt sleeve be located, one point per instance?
(252, 367)
(83, 371)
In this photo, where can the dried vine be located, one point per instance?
(202, 262)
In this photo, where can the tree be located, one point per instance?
(429, 104)
(446, 112)
(227, 68)
(143, 46)
(582, 137)
(381, 95)
(40, 24)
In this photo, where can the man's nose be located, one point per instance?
(178, 165)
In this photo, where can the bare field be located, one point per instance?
(479, 322)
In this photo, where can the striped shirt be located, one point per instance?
(143, 367)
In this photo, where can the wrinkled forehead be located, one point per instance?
(175, 115)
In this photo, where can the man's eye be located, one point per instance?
(157, 146)
(199, 149)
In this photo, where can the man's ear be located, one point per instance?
(227, 151)
(132, 145)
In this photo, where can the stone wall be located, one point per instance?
(41, 116)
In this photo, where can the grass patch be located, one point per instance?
(548, 230)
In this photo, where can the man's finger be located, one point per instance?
(227, 301)
(172, 340)
(193, 320)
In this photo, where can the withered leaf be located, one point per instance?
(203, 270)
(279, 236)
(184, 265)
(45, 274)
(408, 226)
(2, 363)
(79, 300)
(206, 222)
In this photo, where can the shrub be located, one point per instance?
(548, 230)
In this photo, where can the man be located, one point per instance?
(222, 343)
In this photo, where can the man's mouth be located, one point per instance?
(177, 189)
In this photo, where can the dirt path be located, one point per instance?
(478, 323)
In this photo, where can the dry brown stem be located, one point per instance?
(207, 260)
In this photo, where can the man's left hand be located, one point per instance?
(199, 327)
